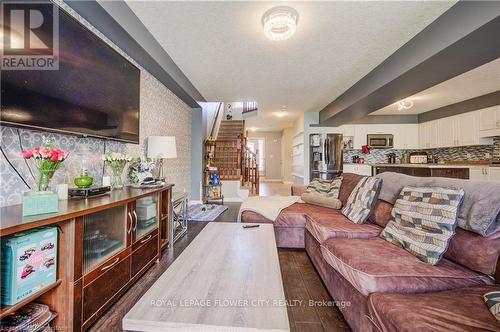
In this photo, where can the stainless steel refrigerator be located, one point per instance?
(326, 153)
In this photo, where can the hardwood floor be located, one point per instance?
(274, 188)
(300, 280)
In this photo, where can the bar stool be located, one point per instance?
(179, 214)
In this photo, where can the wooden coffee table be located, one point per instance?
(227, 279)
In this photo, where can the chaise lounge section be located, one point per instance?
(358, 266)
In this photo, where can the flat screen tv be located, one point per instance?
(95, 92)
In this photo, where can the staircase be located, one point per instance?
(231, 130)
(231, 157)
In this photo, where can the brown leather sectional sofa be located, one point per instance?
(388, 288)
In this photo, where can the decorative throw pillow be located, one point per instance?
(325, 188)
(423, 221)
(492, 300)
(329, 202)
(362, 199)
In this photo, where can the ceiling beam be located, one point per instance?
(473, 104)
(119, 24)
(463, 38)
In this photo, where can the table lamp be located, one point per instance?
(162, 147)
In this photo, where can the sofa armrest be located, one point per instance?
(298, 190)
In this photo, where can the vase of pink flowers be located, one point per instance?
(47, 160)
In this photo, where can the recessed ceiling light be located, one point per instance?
(252, 129)
(280, 22)
(404, 104)
(280, 114)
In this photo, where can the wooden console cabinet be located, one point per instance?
(105, 244)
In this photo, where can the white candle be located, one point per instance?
(62, 191)
(106, 181)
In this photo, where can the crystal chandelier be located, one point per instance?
(280, 23)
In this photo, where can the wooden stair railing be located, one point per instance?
(250, 170)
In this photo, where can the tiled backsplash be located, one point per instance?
(472, 153)
(162, 113)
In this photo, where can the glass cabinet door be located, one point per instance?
(104, 234)
(147, 218)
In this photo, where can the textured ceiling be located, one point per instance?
(221, 48)
(477, 82)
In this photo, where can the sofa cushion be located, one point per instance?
(492, 300)
(328, 202)
(452, 310)
(324, 226)
(349, 182)
(325, 188)
(381, 213)
(423, 221)
(375, 265)
(362, 200)
(292, 216)
(479, 211)
(474, 251)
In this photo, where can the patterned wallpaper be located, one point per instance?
(472, 153)
(162, 113)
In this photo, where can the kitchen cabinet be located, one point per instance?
(428, 135)
(479, 173)
(360, 133)
(494, 173)
(405, 136)
(489, 121)
(361, 169)
(446, 132)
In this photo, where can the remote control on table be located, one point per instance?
(250, 226)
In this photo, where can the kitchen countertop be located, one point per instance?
(454, 165)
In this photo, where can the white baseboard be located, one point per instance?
(195, 202)
(288, 182)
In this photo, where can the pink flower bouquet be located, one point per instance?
(47, 160)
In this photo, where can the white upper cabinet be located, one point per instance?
(428, 135)
(446, 132)
(406, 136)
(467, 128)
(489, 121)
(458, 130)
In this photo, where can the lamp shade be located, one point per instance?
(162, 147)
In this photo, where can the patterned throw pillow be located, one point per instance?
(423, 221)
(492, 300)
(325, 188)
(362, 199)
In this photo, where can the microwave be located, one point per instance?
(380, 141)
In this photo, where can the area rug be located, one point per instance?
(205, 212)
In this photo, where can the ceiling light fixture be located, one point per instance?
(280, 22)
(404, 104)
(280, 114)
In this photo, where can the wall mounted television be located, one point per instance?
(95, 92)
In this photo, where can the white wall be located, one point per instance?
(272, 152)
(286, 154)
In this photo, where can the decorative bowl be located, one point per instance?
(83, 181)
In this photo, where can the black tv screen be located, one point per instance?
(95, 92)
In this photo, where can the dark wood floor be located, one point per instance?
(300, 280)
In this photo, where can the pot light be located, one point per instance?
(280, 22)
(404, 104)
(252, 129)
(280, 114)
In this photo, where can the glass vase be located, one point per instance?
(44, 178)
(116, 179)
